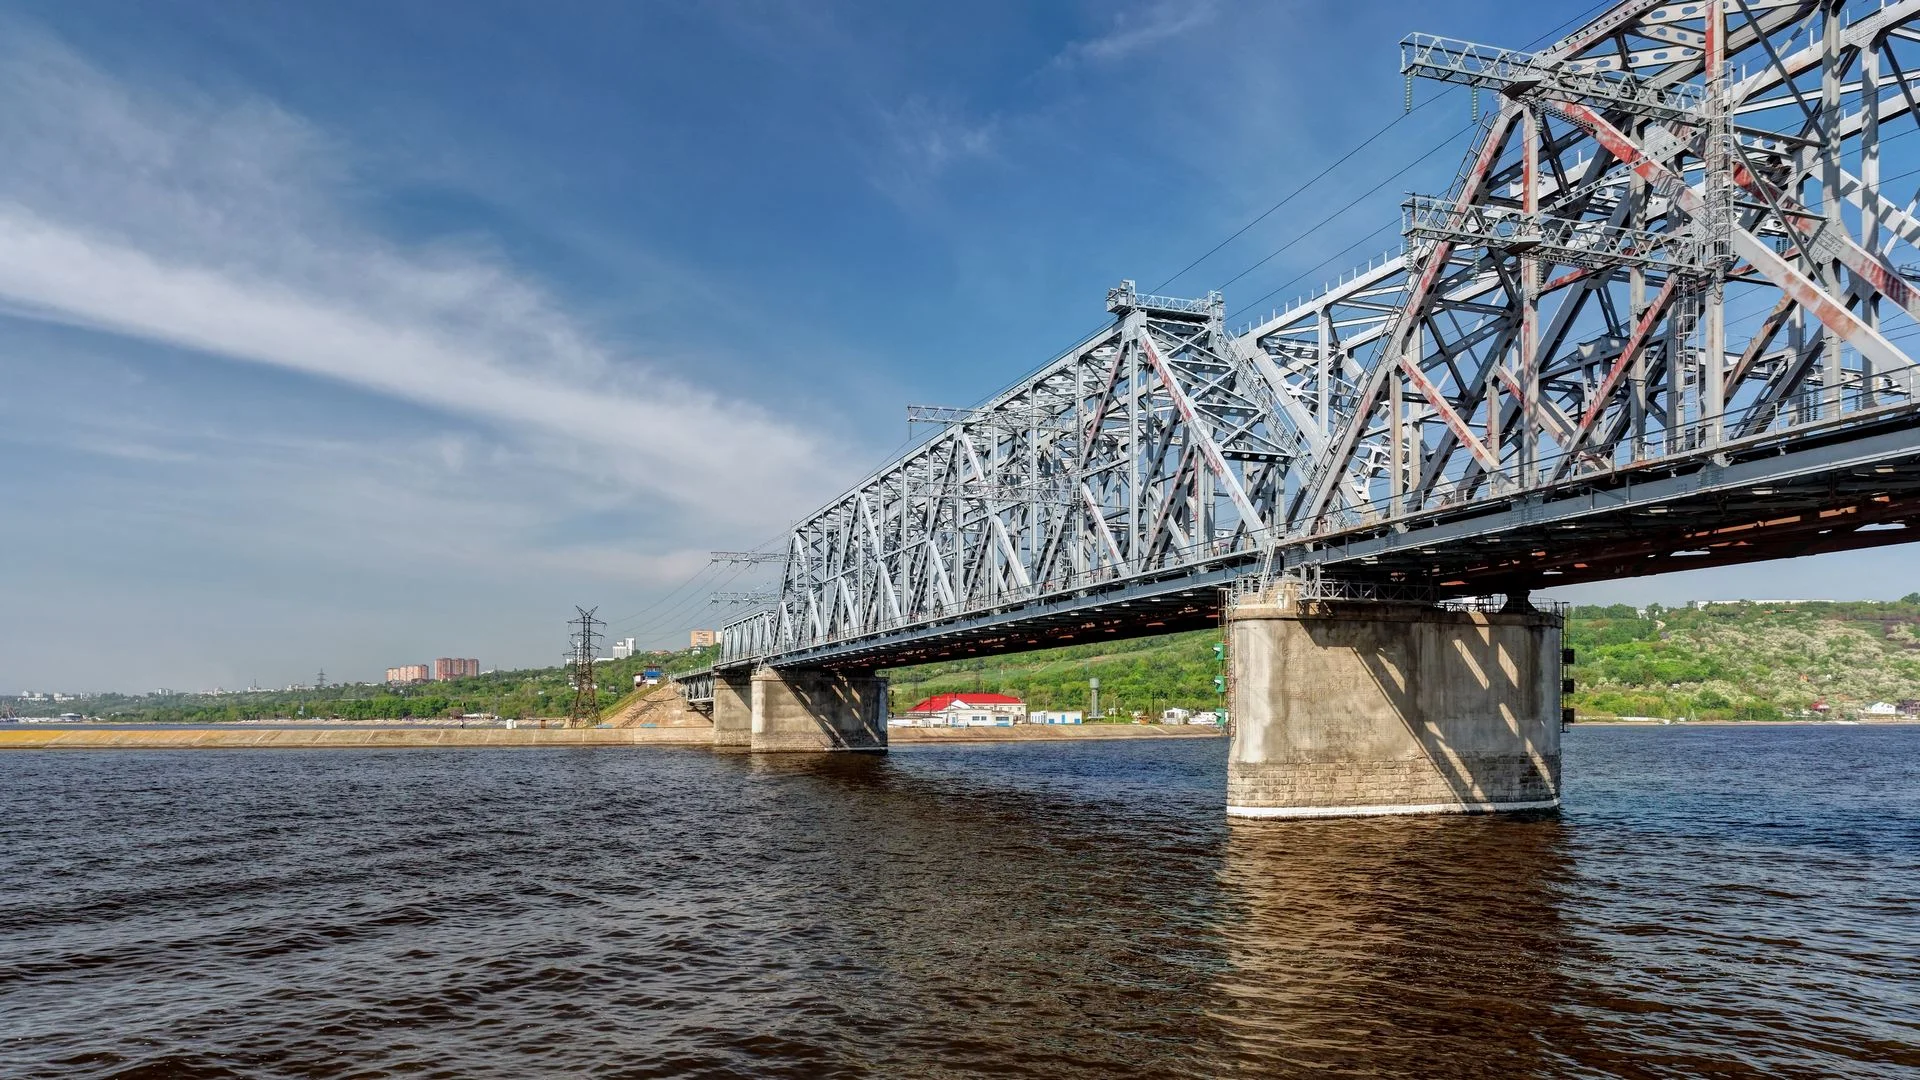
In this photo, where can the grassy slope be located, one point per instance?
(1142, 674)
(1731, 662)
(1751, 661)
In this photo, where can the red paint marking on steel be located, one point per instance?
(1663, 180)
(1715, 25)
(1640, 331)
(1436, 261)
(1667, 182)
(1416, 297)
(1854, 257)
(1459, 427)
(1572, 278)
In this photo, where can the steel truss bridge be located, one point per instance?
(1653, 325)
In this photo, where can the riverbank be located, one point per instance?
(254, 737)
(1051, 733)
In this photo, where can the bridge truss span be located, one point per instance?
(1661, 313)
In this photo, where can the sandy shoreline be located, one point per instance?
(254, 737)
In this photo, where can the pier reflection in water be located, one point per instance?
(1397, 946)
(1733, 903)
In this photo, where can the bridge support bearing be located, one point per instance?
(733, 708)
(1386, 709)
(810, 709)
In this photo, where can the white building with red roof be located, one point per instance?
(974, 709)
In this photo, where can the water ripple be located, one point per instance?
(1713, 902)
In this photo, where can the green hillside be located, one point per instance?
(1144, 674)
(1754, 661)
(1749, 661)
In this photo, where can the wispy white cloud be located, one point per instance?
(228, 227)
(1136, 29)
(920, 141)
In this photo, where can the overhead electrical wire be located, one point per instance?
(665, 615)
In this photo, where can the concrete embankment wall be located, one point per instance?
(238, 737)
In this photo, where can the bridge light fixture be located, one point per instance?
(1883, 469)
(1656, 509)
(1763, 491)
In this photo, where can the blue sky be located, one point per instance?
(353, 334)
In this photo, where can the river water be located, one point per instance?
(1714, 901)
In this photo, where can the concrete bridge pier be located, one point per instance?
(733, 709)
(1364, 709)
(813, 709)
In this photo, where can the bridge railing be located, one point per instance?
(1808, 410)
(760, 635)
(748, 638)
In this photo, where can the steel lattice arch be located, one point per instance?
(1655, 324)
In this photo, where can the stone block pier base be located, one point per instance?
(1369, 709)
(732, 709)
(805, 709)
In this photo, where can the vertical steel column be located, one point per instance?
(1637, 306)
(1130, 341)
(1529, 313)
(1828, 271)
(1869, 193)
(1323, 369)
(1719, 191)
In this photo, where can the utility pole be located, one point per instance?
(584, 711)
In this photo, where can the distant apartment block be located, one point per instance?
(453, 667)
(700, 639)
(407, 673)
(623, 648)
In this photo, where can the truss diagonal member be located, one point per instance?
(1099, 516)
(1828, 242)
(994, 521)
(879, 555)
(1521, 74)
(1641, 331)
(1251, 519)
(1831, 311)
(1568, 241)
(1319, 489)
(1299, 418)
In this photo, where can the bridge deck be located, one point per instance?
(1855, 486)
